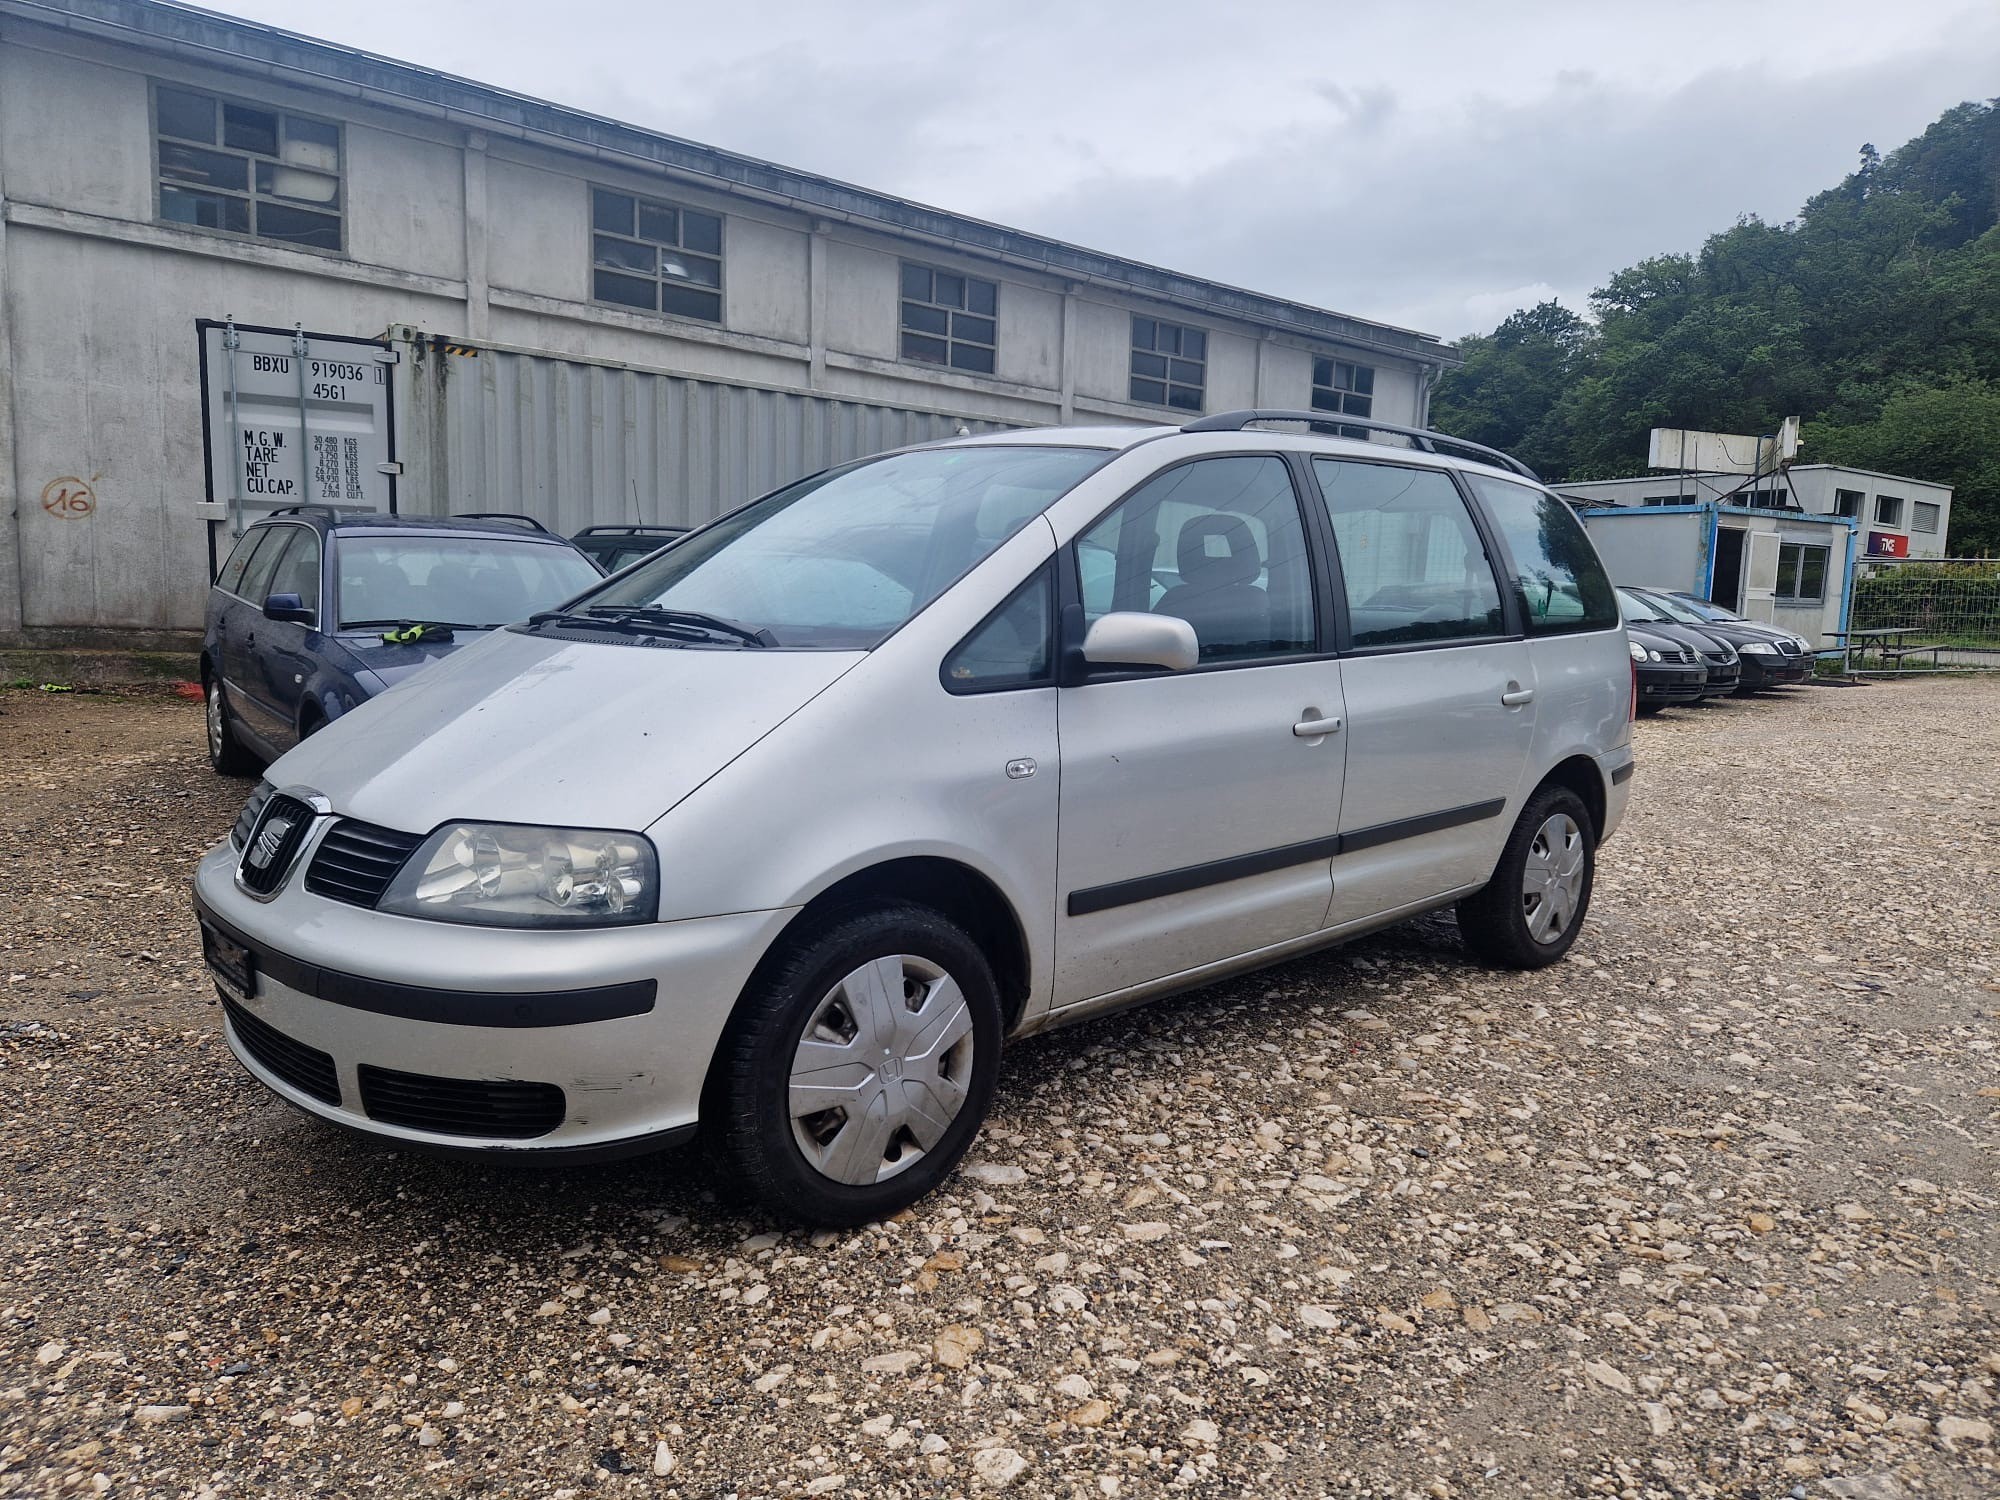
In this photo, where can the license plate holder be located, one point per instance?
(230, 961)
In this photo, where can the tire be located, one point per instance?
(226, 755)
(831, 990)
(1506, 923)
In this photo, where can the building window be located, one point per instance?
(1801, 573)
(948, 319)
(1765, 499)
(1169, 364)
(1888, 510)
(1924, 516)
(655, 256)
(1847, 503)
(246, 169)
(1341, 387)
(1666, 500)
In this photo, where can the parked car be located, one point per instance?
(1714, 653)
(1664, 671)
(318, 609)
(1769, 655)
(781, 832)
(614, 547)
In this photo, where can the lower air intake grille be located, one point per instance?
(356, 861)
(1789, 648)
(461, 1106)
(306, 1069)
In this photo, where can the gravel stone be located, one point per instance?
(1709, 1209)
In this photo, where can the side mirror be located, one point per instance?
(287, 607)
(1128, 638)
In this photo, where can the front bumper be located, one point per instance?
(1769, 671)
(621, 1021)
(1676, 684)
(1723, 677)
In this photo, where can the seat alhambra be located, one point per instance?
(781, 833)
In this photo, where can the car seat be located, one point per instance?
(1218, 593)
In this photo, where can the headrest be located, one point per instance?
(1216, 551)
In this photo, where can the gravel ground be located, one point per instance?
(1708, 1209)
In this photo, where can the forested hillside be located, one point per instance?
(1875, 316)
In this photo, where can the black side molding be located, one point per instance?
(1624, 773)
(413, 1002)
(1239, 866)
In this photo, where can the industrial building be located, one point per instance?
(241, 269)
(1896, 517)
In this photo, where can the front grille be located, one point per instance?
(239, 834)
(1789, 648)
(461, 1106)
(356, 861)
(306, 1069)
(274, 842)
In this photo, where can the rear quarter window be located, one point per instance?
(1557, 577)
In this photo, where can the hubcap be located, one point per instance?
(215, 720)
(1552, 882)
(881, 1070)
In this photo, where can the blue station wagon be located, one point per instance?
(317, 610)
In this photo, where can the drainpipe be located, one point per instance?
(1707, 583)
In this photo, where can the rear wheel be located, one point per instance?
(1529, 914)
(225, 752)
(859, 1066)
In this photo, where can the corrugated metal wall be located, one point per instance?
(575, 444)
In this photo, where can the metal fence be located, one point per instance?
(1934, 613)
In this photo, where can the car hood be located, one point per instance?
(392, 663)
(520, 728)
(1653, 640)
(1700, 637)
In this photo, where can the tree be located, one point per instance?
(1949, 434)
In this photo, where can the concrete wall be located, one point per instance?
(473, 236)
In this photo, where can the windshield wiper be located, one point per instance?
(681, 619)
(403, 622)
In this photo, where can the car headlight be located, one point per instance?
(518, 875)
(1760, 648)
(1638, 651)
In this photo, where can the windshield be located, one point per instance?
(839, 561)
(454, 580)
(1679, 609)
(1637, 610)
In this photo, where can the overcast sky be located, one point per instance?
(1430, 164)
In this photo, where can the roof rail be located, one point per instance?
(1422, 437)
(324, 509)
(642, 529)
(500, 515)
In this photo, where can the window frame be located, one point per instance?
(318, 601)
(1936, 509)
(1841, 505)
(278, 556)
(1511, 625)
(1073, 671)
(952, 311)
(1049, 571)
(250, 196)
(1798, 551)
(1881, 520)
(659, 278)
(1166, 382)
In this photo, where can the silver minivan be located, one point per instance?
(781, 833)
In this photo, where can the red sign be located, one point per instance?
(1887, 544)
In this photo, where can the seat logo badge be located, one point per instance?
(1020, 770)
(265, 849)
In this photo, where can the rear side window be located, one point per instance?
(1012, 647)
(1411, 560)
(1561, 583)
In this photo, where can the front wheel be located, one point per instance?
(1529, 914)
(858, 1067)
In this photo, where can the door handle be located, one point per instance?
(1312, 729)
(1516, 695)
